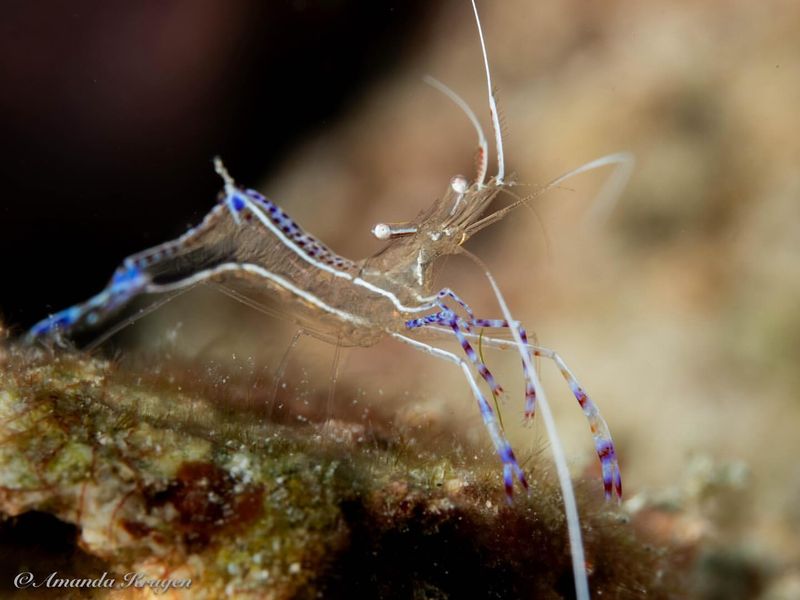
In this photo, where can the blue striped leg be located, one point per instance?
(511, 467)
(600, 431)
(135, 275)
(604, 445)
(128, 281)
(449, 319)
(530, 390)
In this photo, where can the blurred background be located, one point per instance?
(680, 314)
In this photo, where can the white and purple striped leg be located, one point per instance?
(604, 445)
(612, 479)
(448, 293)
(530, 389)
(449, 319)
(503, 448)
(127, 282)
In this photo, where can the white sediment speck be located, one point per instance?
(240, 467)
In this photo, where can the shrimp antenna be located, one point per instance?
(603, 203)
(483, 146)
(606, 199)
(498, 135)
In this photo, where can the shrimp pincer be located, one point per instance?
(247, 241)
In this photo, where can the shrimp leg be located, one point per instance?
(604, 445)
(601, 434)
(503, 448)
(126, 283)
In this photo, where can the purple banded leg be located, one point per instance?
(448, 293)
(436, 318)
(449, 319)
(128, 281)
(511, 467)
(612, 479)
(604, 445)
(496, 388)
(530, 390)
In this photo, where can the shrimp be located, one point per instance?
(248, 241)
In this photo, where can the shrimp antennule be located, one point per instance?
(498, 135)
(483, 146)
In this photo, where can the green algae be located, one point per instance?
(163, 478)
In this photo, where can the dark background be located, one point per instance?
(110, 114)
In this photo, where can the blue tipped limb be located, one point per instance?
(461, 328)
(127, 281)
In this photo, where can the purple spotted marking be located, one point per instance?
(611, 475)
(508, 483)
(530, 389)
(510, 468)
(307, 243)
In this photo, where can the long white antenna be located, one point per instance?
(498, 136)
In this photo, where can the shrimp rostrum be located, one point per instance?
(248, 238)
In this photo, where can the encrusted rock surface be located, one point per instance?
(133, 473)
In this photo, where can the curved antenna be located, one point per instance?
(498, 136)
(604, 201)
(483, 145)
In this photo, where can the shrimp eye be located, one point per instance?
(459, 184)
(385, 231)
(382, 231)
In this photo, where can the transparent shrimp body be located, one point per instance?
(249, 243)
(406, 264)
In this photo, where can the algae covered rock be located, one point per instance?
(158, 488)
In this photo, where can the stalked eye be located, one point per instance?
(386, 231)
(459, 184)
(382, 231)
